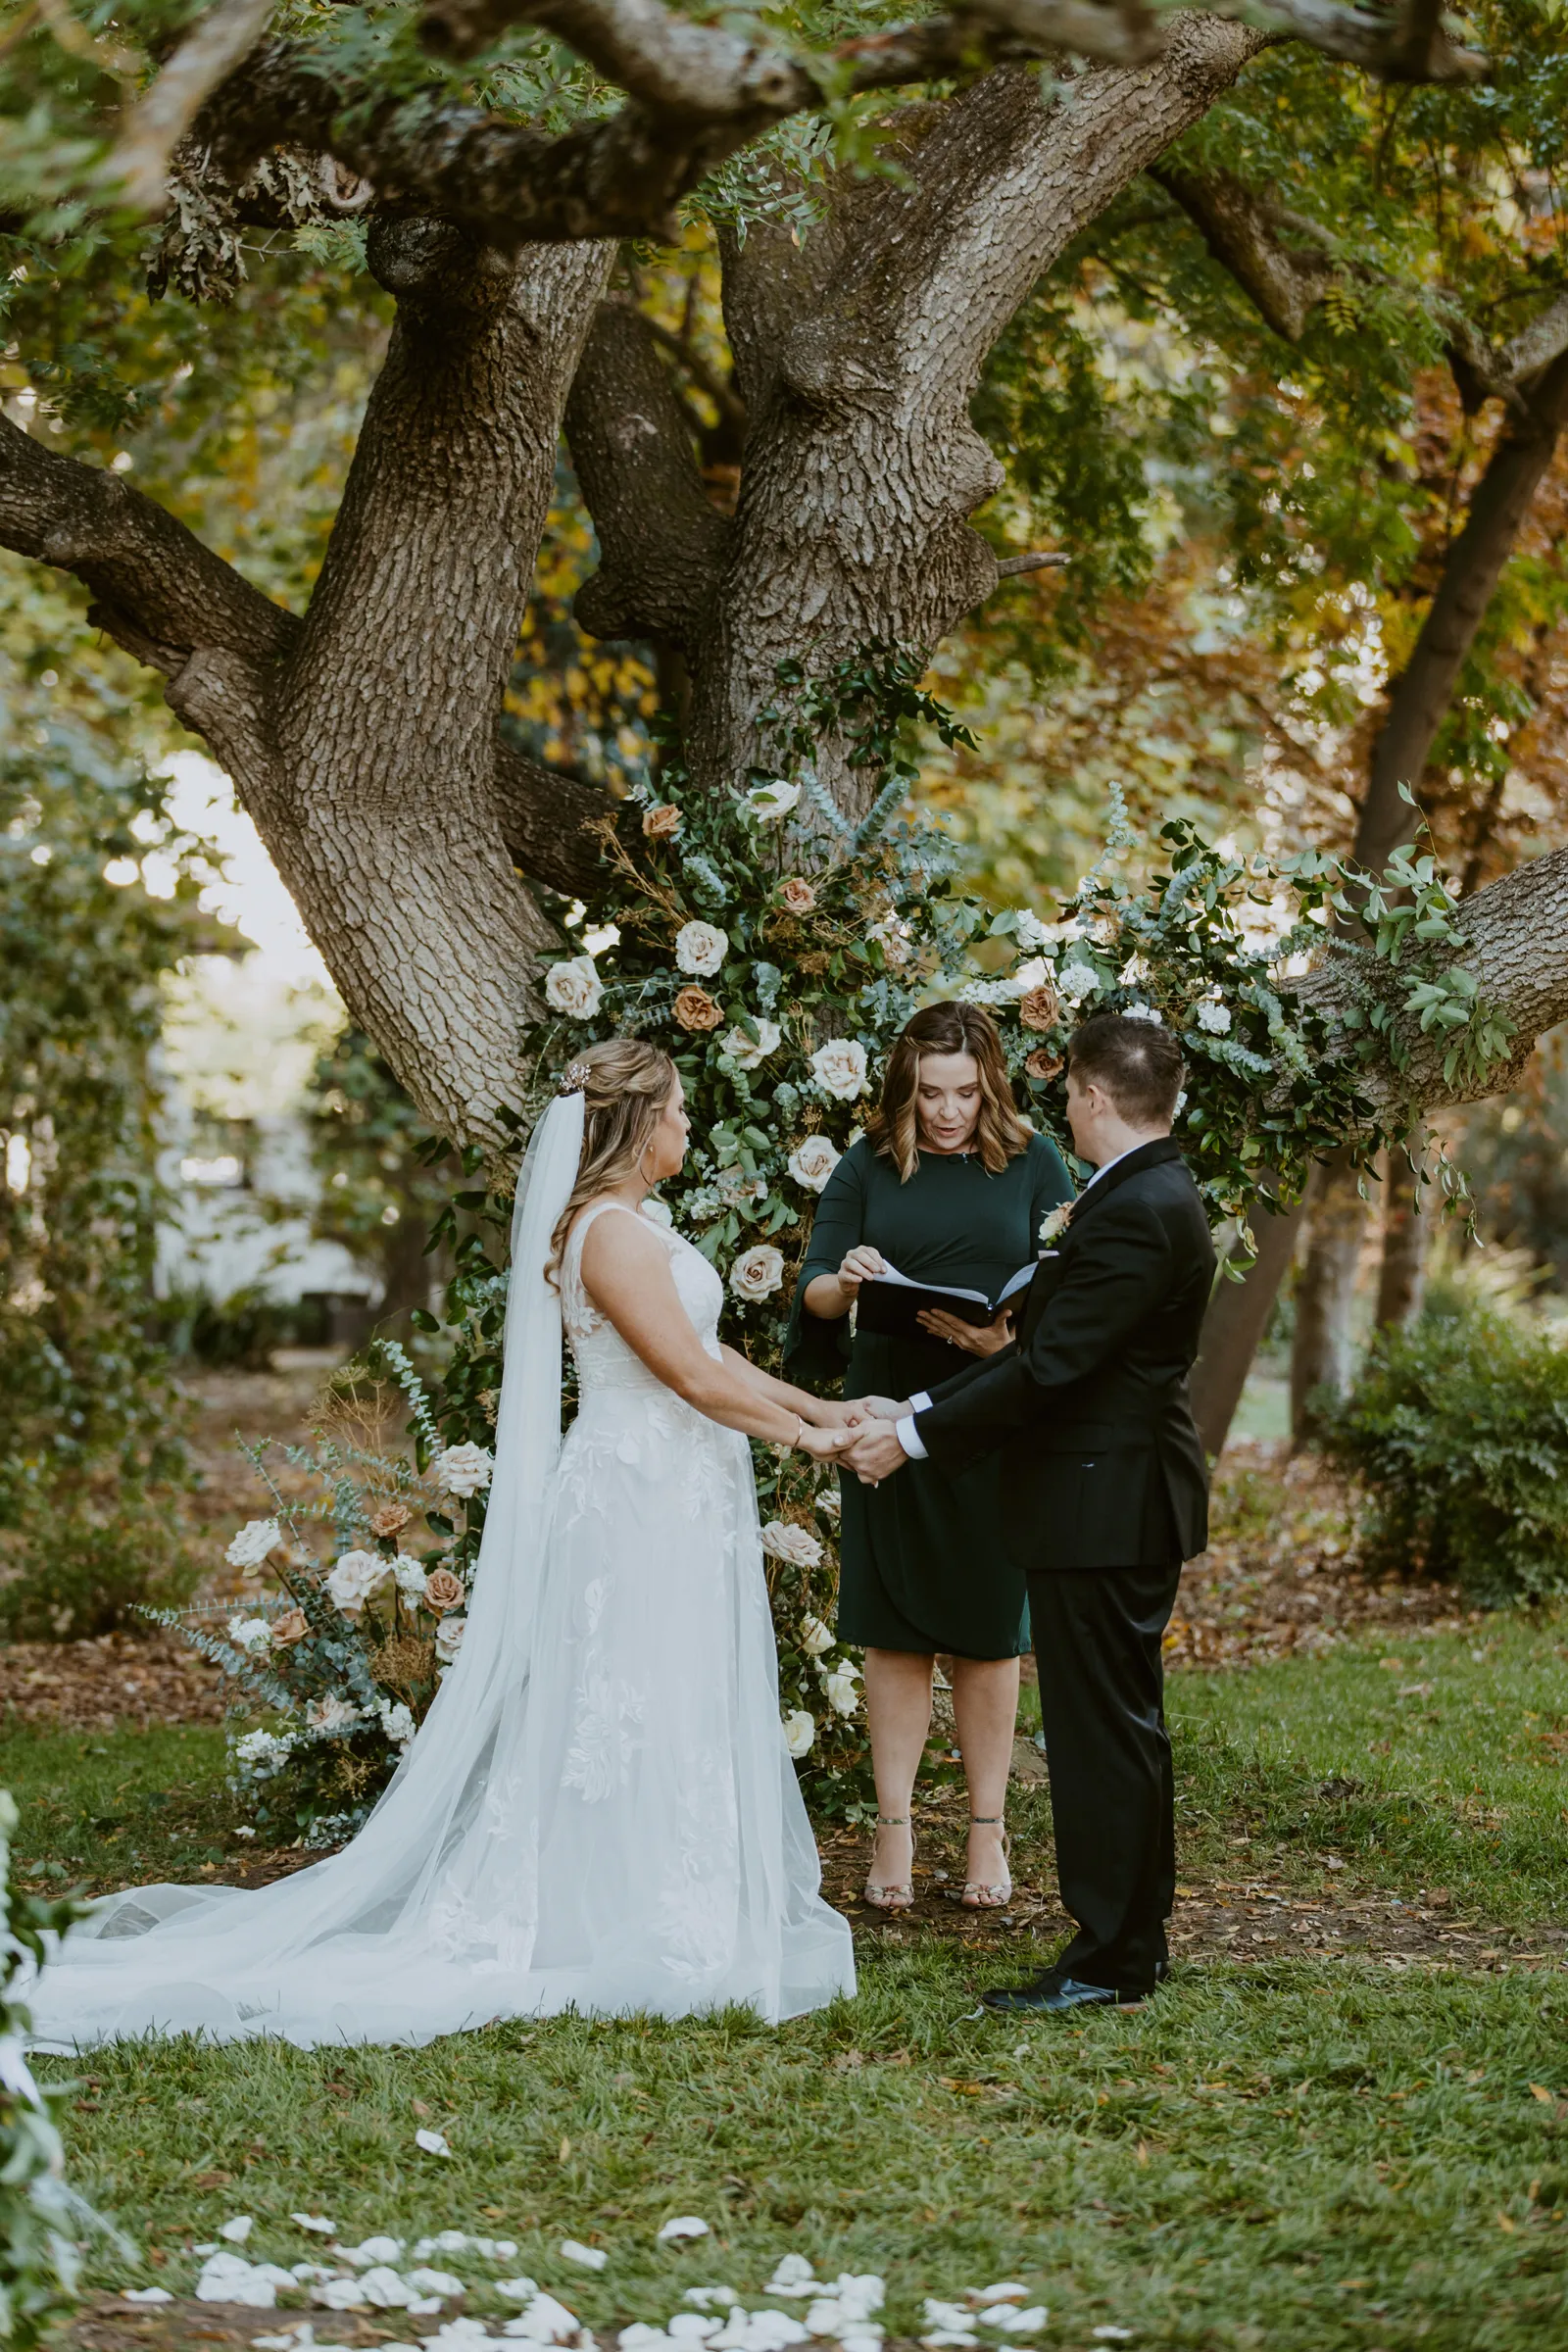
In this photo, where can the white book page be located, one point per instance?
(945, 1289)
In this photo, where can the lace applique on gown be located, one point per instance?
(632, 1836)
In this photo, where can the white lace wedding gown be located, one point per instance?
(598, 1813)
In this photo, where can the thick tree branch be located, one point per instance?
(549, 822)
(662, 543)
(158, 589)
(1283, 285)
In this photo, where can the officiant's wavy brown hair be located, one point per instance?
(893, 1129)
(628, 1083)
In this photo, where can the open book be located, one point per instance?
(891, 1302)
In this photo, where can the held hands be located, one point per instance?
(975, 1339)
(875, 1453)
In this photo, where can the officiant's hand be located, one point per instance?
(975, 1339)
(862, 1264)
(875, 1453)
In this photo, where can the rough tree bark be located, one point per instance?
(1321, 1354)
(1410, 1212)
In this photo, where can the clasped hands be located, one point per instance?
(864, 1435)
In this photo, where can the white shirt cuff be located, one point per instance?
(920, 1404)
(908, 1436)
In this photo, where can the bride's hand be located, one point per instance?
(823, 1443)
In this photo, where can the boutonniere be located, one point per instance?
(1054, 1223)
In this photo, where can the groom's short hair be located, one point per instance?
(1137, 1065)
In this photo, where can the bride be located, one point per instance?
(598, 1813)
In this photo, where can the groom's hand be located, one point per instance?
(875, 1454)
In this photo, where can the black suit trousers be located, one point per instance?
(1097, 1635)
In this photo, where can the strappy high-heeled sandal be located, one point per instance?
(974, 1895)
(882, 1897)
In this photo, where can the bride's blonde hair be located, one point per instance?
(626, 1085)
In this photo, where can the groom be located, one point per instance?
(1104, 1494)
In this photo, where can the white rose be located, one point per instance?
(256, 1539)
(799, 1733)
(396, 1723)
(893, 937)
(449, 1638)
(1029, 931)
(699, 949)
(815, 1635)
(751, 1051)
(771, 802)
(784, 1541)
(354, 1577)
(1077, 981)
(839, 1069)
(574, 988)
(842, 1695)
(250, 1633)
(463, 1469)
(411, 1576)
(757, 1272)
(1136, 972)
(812, 1161)
(1035, 973)
(1214, 1017)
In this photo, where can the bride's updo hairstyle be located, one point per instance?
(894, 1127)
(625, 1084)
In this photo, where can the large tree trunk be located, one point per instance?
(1322, 1353)
(1233, 1329)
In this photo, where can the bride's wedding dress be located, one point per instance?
(599, 1812)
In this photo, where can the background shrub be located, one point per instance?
(82, 1566)
(1458, 1431)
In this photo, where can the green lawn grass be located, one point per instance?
(1282, 2156)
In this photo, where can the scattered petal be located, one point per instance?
(521, 2290)
(238, 2230)
(299, 2338)
(794, 2276)
(385, 2290)
(1007, 2290)
(685, 2224)
(434, 2144)
(592, 2258)
(545, 2321)
(723, 2298)
(442, 2282)
(339, 2294)
(317, 2222)
(146, 2294)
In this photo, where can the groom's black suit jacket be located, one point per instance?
(1102, 1464)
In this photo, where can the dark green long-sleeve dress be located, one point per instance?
(922, 1565)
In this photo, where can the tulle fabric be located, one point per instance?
(598, 1813)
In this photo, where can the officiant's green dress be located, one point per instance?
(921, 1561)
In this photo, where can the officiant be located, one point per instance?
(948, 1185)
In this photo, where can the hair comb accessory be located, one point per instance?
(574, 1078)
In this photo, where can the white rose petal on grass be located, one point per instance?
(699, 949)
(752, 1051)
(255, 1540)
(229, 2278)
(684, 2225)
(799, 1731)
(757, 1272)
(1214, 1017)
(640, 2337)
(722, 2298)
(317, 2222)
(573, 987)
(519, 2290)
(463, 1470)
(434, 2144)
(841, 1068)
(1016, 2321)
(145, 2294)
(545, 2321)
(301, 2337)
(1007, 2290)
(782, 1539)
(690, 2327)
(238, 2230)
(794, 2276)
(341, 2294)
(592, 2258)
(375, 2249)
(384, 2290)
(812, 1161)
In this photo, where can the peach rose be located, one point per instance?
(443, 1590)
(695, 1010)
(390, 1518)
(797, 894)
(1041, 1008)
(289, 1629)
(1043, 1064)
(662, 822)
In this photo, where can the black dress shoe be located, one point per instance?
(1053, 1995)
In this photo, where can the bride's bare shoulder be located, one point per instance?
(606, 1239)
